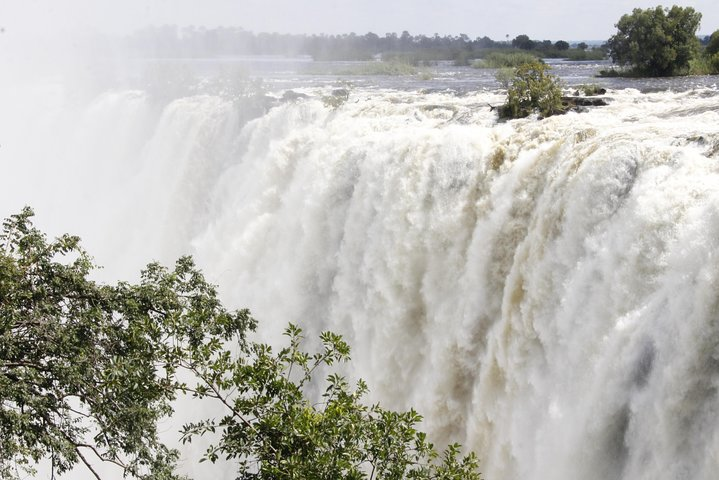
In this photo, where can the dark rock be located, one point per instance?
(584, 102)
(341, 92)
(290, 96)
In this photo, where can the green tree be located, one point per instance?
(79, 376)
(561, 45)
(713, 44)
(523, 42)
(87, 371)
(277, 433)
(712, 52)
(656, 41)
(532, 89)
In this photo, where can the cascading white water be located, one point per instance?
(545, 292)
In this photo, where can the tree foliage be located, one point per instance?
(88, 370)
(532, 90)
(277, 433)
(713, 44)
(711, 53)
(523, 42)
(656, 41)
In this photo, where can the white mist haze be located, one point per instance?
(543, 292)
(554, 20)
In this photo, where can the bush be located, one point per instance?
(612, 73)
(714, 63)
(589, 90)
(336, 98)
(532, 90)
(504, 77)
(701, 65)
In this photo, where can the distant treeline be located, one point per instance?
(171, 41)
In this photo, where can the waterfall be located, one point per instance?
(544, 292)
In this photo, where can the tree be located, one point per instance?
(713, 44)
(712, 52)
(278, 434)
(523, 42)
(656, 42)
(561, 45)
(87, 371)
(532, 89)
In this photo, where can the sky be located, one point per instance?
(540, 19)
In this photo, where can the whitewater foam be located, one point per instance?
(545, 292)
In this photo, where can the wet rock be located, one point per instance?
(291, 96)
(584, 101)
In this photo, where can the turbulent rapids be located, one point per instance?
(544, 292)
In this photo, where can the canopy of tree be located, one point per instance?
(88, 370)
(656, 41)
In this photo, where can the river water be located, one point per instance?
(291, 72)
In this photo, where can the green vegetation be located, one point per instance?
(712, 47)
(417, 50)
(277, 432)
(707, 62)
(336, 98)
(509, 59)
(532, 90)
(504, 77)
(589, 90)
(578, 54)
(711, 53)
(558, 49)
(702, 65)
(416, 59)
(656, 41)
(85, 372)
(514, 58)
(615, 72)
(88, 370)
(368, 68)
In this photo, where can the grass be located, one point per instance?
(392, 68)
(504, 60)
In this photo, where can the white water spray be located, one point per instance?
(545, 292)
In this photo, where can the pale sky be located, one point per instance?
(540, 19)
